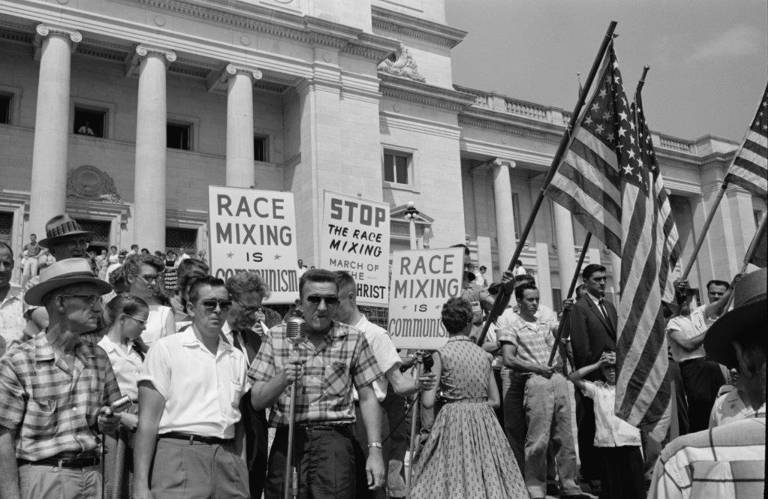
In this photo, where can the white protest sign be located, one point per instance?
(255, 230)
(422, 281)
(355, 237)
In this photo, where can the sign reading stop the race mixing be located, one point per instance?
(422, 281)
(355, 238)
(255, 230)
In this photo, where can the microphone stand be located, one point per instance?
(291, 489)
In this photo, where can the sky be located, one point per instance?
(708, 58)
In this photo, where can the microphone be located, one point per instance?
(294, 329)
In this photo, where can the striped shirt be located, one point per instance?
(726, 461)
(533, 340)
(324, 392)
(50, 407)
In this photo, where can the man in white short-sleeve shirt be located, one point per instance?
(189, 395)
(383, 350)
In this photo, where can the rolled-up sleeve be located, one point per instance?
(156, 369)
(365, 369)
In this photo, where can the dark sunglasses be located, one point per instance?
(330, 301)
(211, 304)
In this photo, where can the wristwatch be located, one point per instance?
(374, 444)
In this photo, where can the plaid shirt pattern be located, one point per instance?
(324, 393)
(533, 340)
(50, 407)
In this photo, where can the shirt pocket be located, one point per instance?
(336, 379)
(41, 420)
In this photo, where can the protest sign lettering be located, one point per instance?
(355, 238)
(422, 281)
(255, 230)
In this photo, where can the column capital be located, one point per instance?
(42, 31)
(133, 62)
(217, 80)
(500, 162)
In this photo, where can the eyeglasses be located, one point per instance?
(137, 319)
(330, 301)
(211, 304)
(248, 310)
(89, 299)
(151, 277)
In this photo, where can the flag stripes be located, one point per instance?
(609, 179)
(750, 167)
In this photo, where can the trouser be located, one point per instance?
(585, 419)
(118, 464)
(361, 455)
(513, 389)
(325, 462)
(30, 268)
(621, 472)
(256, 446)
(197, 470)
(548, 418)
(702, 378)
(397, 442)
(51, 482)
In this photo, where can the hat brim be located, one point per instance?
(34, 295)
(746, 321)
(48, 240)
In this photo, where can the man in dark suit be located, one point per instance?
(247, 322)
(592, 322)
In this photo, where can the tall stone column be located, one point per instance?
(149, 173)
(49, 154)
(240, 125)
(505, 213)
(566, 256)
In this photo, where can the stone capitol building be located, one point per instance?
(123, 112)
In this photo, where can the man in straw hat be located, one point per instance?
(65, 238)
(55, 392)
(728, 460)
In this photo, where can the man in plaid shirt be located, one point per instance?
(327, 361)
(526, 344)
(55, 392)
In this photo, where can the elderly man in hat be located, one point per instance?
(56, 392)
(65, 238)
(728, 460)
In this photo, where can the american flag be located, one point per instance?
(611, 183)
(750, 166)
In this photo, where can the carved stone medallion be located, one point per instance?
(89, 182)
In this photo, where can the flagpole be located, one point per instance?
(503, 296)
(755, 243)
(564, 318)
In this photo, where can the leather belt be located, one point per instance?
(192, 438)
(65, 461)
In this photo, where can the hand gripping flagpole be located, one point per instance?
(503, 296)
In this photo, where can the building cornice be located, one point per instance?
(414, 27)
(409, 90)
(303, 29)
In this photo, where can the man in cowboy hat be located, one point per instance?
(728, 460)
(65, 238)
(55, 392)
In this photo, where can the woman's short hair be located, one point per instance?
(124, 303)
(456, 315)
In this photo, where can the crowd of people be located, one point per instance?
(118, 381)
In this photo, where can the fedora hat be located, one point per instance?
(63, 273)
(62, 227)
(747, 319)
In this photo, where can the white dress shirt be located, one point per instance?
(610, 430)
(126, 364)
(383, 350)
(202, 391)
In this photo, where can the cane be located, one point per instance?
(293, 330)
(414, 418)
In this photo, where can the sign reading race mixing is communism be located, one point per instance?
(355, 237)
(422, 281)
(255, 230)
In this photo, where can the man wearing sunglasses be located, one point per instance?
(189, 393)
(327, 361)
(55, 392)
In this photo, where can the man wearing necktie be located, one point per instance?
(592, 331)
(246, 322)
